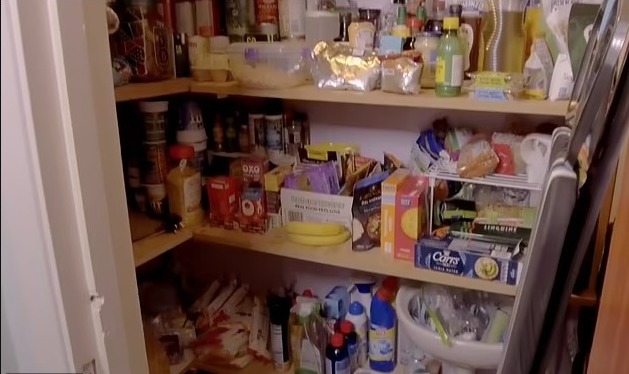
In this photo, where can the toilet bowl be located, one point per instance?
(462, 357)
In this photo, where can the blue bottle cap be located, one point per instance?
(356, 308)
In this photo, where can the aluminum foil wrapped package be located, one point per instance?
(336, 67)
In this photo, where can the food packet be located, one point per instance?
(401, 75)
(477, 159)
(538, 70)
(335, 67)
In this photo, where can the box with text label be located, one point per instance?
(303, 206)
(466, 258)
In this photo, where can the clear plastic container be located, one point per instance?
(269, 65)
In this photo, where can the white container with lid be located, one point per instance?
(269, 65)
(321, 25)
(292, 19)
(427, 43)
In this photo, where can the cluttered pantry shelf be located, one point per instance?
(426, 99)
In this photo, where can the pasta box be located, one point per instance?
(467, 258)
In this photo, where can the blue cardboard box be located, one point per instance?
(467, 258)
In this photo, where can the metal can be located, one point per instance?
(155, 163)
(237, 18)
(292, 137)
(257, 134)
(274, 136)
(267, 11)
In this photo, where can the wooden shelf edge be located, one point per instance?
(426, 99)
(148, 248)
(374, 261)
(586, 299)
(138, 91)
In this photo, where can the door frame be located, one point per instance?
(63, 120)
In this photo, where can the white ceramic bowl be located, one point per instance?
(474, 355)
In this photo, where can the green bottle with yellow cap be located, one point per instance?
(450, 60)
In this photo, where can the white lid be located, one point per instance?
(322, 14)
(219, 43)
(274, 116)
(198, 146)
(191, 136)
(153, 106)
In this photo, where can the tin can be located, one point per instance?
(267, 11)
(237, 18)
(292, 137)
(257, 134)
(155, 163)
(274, 136)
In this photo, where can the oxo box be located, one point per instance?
(253, 170)
(253, 213)
(224, 196)
(467, 258)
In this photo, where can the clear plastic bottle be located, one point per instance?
(450, 60)
(183, 186)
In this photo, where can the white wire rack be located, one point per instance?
(521, 182)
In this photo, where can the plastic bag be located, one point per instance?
(477, 159)
(401, 75)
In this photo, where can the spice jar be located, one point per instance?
(183, 186)
(427, 43)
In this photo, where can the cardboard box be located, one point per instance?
(273, 183)
(224, 196)
(410, 216)
(467, 258)
(303, 206)
(253, 171)
(253, 216)
(387, 209)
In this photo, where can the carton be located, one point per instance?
(303, 206)
(467, 258)
(224, 196)
(273, 183)
(410, 217)
(253, 171)
(253, 213)
(387, 209)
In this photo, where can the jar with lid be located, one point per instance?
(427, 43)
(372, 16)
(183, 186)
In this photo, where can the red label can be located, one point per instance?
(267, 11)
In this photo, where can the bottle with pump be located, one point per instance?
(450, 60)
(382, 339)
(336, 356)
(358, 318)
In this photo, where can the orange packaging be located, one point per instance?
(410, 217)
(387, 208)
(224, 196)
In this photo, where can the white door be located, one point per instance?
(69, 294)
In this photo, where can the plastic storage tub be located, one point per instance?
(269, 65)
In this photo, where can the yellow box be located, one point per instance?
(390, 187)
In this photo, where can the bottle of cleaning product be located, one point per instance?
(382, 338)
(364, 286)
(351, 341)
(358, 318)
(450, 57)
(336, 356)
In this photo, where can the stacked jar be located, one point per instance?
(154, 172)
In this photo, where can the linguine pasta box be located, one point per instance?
(467, 258)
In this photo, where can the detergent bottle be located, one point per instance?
(382, 337)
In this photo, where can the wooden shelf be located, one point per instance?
(137, 91)
(374, 261)
(255, 367)
(426, 99)
(152, 246)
